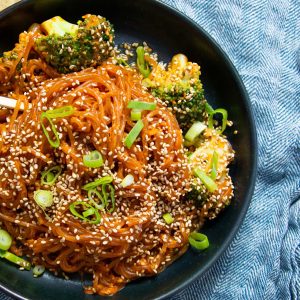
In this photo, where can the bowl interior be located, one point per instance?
(167, 32)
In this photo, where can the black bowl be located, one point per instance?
(168, 32)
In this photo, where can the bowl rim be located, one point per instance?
(253, 139)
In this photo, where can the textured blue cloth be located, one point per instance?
(262, 40)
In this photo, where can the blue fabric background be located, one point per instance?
(262, 39)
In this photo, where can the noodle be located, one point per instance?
(132, 241)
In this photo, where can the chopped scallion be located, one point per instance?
(38, 270)
(128, 180)
(43, 198)
(194, 131)
(214, 165)
(50, 176)
(85, 208)
(208, 109)
(108, 196)
(92, 194)
(168, 218)
(97, 182)
(143, 66)
(5, 240)
(135, 114)
(15, 259)
(60, 112)
(89, 212)
(198, 241)
(224, 114)
(141, 105)
(56, 142)
(207, 181)
(133, 134)
(93, 159)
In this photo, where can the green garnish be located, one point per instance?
(211, 115)
(141, 105)
(50, 176)
(38, 270)
(133, 134)
(5, 240)
(143, 66)
(87, 211)
(214, 165)
(93, 159)
(109, 196)
(194, 131)
(15, 259)
(92, 193)
(135, 114)
(97, 182)
(208, 109)
(207, 181)
(56, 142)
(198, 241)
(168, 218)
(43, 198)
(128, 180)
(60, 112)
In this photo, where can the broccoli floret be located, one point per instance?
(213, 145)
(70, 48)
(13, 59)
(180, 88)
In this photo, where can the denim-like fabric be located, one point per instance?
(262, 40)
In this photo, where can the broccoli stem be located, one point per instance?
(15, 259)
(59, 26)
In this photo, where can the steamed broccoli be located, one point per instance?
(180, 88)
(69, 47)
(214, 148)
(13, 59)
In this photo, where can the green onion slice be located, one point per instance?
(43, 198)
(128, 180)
(60, 112)
(224, 114)
(194, 131)
(109, 195)
(5, 240)
(214, 165)
(89, 212)
(143, 66)
(135, 114)
(207, 181)
(92, 193)
(97, 182)
(122, 62)
(86, 208)
(56, 142)
(15, 259)
(133, 134)
(93, 159)
(208, 109)
(141, 105)
(198, 241)
(50, 176)
(112, 198)
(38, 270)
(168, 218)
